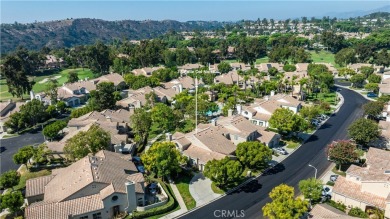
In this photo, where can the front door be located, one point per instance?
(115, 210)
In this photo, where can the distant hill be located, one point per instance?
(68, 33)
(360, 13)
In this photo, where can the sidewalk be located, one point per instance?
(151, 142)
(183, 207)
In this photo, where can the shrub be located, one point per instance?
(337, 205)
(330, 183)
(170, 205)
(289, 68)
(357, 212)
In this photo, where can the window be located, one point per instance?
(114, 198)
(97, 215)
(84, 217)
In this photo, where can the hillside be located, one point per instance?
(68, 33)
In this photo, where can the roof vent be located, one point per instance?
(387, 171)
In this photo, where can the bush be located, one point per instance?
(330, 183)
(337, 205)
(170, 205)
(289, 68)
(357, 212)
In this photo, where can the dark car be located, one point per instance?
(371, 94)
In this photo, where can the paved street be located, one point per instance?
(10, 146)
(252, 197)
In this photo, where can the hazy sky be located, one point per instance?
(30, 11)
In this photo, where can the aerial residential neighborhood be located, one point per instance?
(145, 112)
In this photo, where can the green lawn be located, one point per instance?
(39, 87)
(182, 184)
(323, 56)
(26, 174)
(216, 189)
(62, 77)
(327, 97)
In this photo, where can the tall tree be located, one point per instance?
(9, 179)
(51, 131)
(283, 205)
(311, 188)
(254, 154)
(15, 76)
(12, 201)
(104, 96)
(357, 80)
(342, 152)
(85, 142)
(98, 56)
(224, 67)
(363, 131)
(72, 77)
(285, 121)
(223, 172)
(382, 58)
(23, 155)
(373, 109)
(141, 122)
(163, 159)
(51, 90)
(345, 56)
(164, 116)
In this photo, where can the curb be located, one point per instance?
(346, 87)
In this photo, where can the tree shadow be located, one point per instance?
(250, 187)
(312, 138)
(276, 169)
(325, 126)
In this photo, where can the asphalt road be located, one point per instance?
(248, 201)
(10, 146)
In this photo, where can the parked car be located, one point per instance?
(371, 94)
(333, 178)
(326, 191)
(280, 151)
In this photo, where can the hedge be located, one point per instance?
(337, 205)
(357, 212)
(170, 205)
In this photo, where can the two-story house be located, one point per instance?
(366, 187)
(261, 110)
(96, 186)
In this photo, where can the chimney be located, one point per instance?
(117, 148)
(131, 196)
(214, 122)
(32, 95)
(180, 88)
(239, 109)
(266, 97)
(131, 109)
(230, 113)
(272, 93)
(168, 136)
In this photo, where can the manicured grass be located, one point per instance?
(26, 175)
(182, 184)
(63, 77)
(323, 56)
(336, 171)
(216, 189)
(327, 97)
(292, 144)
(39, 87)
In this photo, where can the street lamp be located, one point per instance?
(315, 174)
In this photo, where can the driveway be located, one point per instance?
(200, 189)
(10, 146)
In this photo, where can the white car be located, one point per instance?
(326, 191)
(280, 151)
